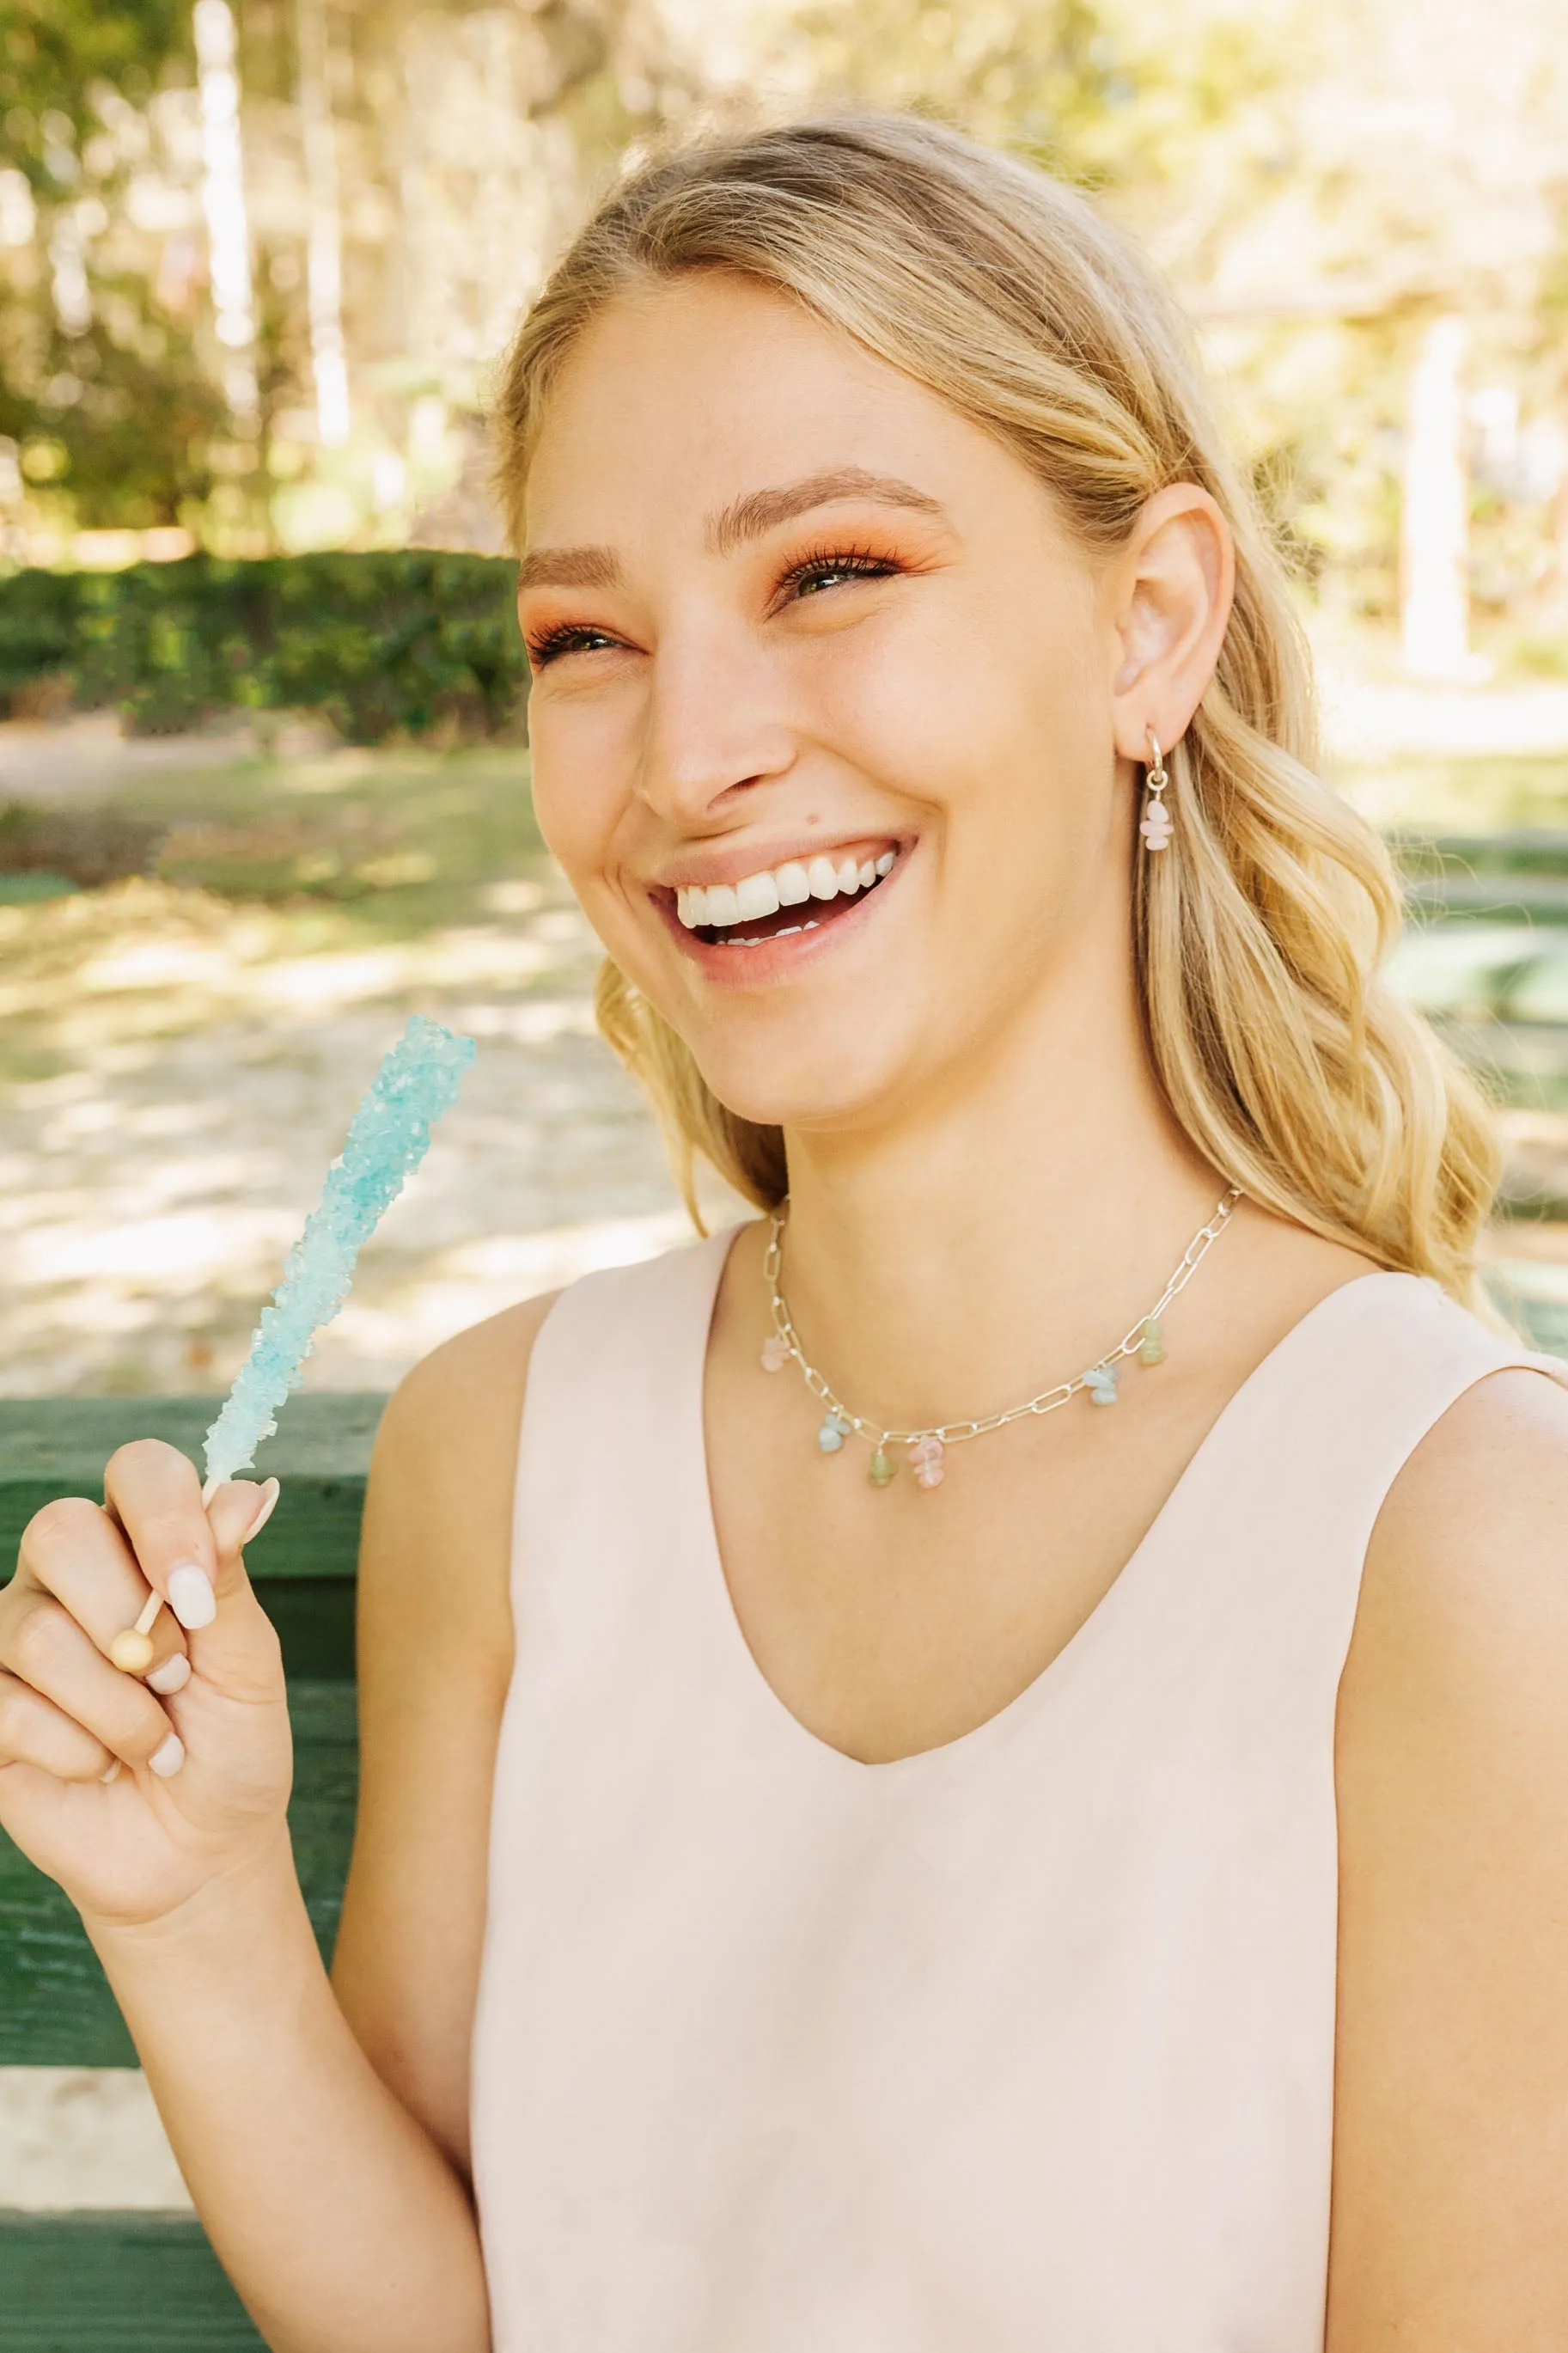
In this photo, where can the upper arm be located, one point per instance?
(1452, 2125)
(435, 1659)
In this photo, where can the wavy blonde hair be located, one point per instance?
(1289, 1064)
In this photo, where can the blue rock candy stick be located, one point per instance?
(390, 1134)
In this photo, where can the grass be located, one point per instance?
(392, 844)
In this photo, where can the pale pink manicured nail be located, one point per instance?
(169, 1759)
(191, 1595)
(172, 1676)
(113, 1772)
(268, 1503)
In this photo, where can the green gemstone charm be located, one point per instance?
(883, 1467)
(1151, 1348)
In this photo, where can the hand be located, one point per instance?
(135, 1802)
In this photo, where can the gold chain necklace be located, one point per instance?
(926, 1448)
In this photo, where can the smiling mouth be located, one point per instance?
(795, 897)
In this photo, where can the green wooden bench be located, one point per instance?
(94, 2282)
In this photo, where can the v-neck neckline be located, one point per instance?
(1118, 1596)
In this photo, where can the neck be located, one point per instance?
(950, 1261)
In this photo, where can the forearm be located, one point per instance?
(341, 2225)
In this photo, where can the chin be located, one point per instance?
(841, 1077)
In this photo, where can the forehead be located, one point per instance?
(701, 388)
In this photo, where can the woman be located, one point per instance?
(875, 1853)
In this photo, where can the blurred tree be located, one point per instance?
(55, 55)
(102, 390)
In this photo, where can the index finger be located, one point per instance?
(155, 1494)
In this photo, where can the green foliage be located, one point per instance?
(54, 53)
(380, 643)
(121, 404)
(132, 424)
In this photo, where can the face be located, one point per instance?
(825, 703)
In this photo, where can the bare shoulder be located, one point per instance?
(446, 1450)
(1461, 1638)
(1450, 2167)
(1471, 1546)
(435, 1663)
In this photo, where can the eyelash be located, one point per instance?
(860, 562)
(556, 643)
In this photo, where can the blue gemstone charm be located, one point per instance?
(1100, 1383)
(833, 1434)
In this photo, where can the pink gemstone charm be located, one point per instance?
(1156, 826)
(926, 1454)
(775, 1354)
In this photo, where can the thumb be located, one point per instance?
(229, 1639)
(237, 1511)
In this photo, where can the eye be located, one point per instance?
(572, 637)
(830, 568)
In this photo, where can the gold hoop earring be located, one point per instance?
(1155, 828)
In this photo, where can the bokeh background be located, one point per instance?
(263, 781)
(263, 756)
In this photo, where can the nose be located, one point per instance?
(714, 726)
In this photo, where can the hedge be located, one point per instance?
(378, 643)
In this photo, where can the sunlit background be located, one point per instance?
(258, 261)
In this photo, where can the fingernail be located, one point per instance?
(191, 1595)
(172, 1676)
(270, 1495)
(169, 1759)
(113, 1772)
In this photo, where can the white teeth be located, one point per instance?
(793, 884)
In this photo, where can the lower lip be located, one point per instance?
(787, 954)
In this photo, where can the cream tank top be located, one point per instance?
(1021, 2045)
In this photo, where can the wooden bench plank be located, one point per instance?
(115, 2283)
(56, 2008)
(58, 1446)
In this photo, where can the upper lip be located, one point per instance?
(698, 872)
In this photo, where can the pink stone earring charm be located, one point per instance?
(1156, 826)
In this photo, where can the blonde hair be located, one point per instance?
(1286, 1060)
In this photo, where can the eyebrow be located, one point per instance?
(569, 567)
(744, 519)
(763, 510)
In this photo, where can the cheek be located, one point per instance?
(575, 796)
(978, 706)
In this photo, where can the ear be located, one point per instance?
(1173, 588)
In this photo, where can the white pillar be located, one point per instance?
(325, 268)
(222, 201)
(67, 272)
(1434, 518)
